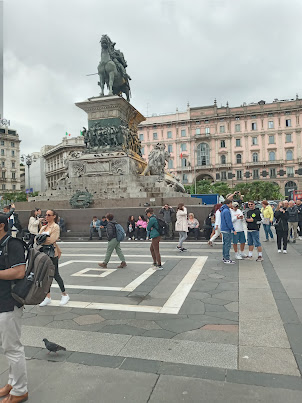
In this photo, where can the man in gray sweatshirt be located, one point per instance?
(292, 220)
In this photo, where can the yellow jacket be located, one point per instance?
(267, 212)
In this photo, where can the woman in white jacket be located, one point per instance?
(181, 225)
(217, 224)
(34, 224)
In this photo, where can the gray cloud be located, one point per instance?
(177, 51)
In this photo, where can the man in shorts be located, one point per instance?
(253, 220)
(237, 219)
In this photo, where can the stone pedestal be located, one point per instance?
(111, 111)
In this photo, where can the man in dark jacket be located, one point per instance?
(292, 220)
(227, 228)
(167, 212)
(113, 244)
(153, 227)
(253, 220)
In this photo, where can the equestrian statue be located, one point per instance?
(112, 69)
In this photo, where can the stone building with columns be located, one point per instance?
(257, 141)
(54, 159)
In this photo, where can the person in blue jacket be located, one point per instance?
(226, 229)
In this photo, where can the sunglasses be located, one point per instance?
(48, 215)
(250, 204)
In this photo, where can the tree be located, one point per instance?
(259, 190)
(222, 188)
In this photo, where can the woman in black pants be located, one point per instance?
(281, 225)
(53, 230)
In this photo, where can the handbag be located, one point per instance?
(266, 221)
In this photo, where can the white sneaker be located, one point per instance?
(238, 256)
(129, 239)
(46, 301)
(243, 255)
(300, 238)
(285, 251)
(64, 299)
(279, 250)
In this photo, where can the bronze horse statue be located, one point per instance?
(112, 70)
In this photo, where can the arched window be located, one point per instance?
(203, 154)
(238, 158)
(272, 156)
(223, 159)
(289, 155)
(289, 187)
(183, 162)
(255, 157)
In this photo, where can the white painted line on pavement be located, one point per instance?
(111, 307)
(89, 287)
(181, 292)
(177, 255)
(139, 280)
(83, 273)
(135, 243)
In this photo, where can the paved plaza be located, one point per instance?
(197, 331)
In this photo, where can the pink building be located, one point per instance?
(258, 141)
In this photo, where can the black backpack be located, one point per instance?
(162, 226)
(39, 274)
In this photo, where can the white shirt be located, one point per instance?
(218, 219)
(237, 222)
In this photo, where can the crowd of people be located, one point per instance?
(238, 225)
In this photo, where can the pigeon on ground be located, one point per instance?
(53, 347)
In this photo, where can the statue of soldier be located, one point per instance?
(119, 60)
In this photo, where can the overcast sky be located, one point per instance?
(178, 51)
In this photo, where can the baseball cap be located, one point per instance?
(235, 204)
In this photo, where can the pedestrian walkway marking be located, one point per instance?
(130, 287)
(172, 305)
(83, 273)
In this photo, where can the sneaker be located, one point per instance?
(135, 239)
(64, 299)
(279, 250)
(147, 239)
(229, 261)
(250, 258)
(129, 239)
(300, 238)
(285, 251)
(142, 239)
(210, 243)
(259, 259)
(159, 267)
(46, 301)
(238, 256)
(178, 247)
(103, 265)
(154, 264)
(267, 240)
(243, 255)
(182, 250)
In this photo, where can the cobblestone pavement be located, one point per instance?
(198, 318)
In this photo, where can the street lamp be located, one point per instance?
(28, 159)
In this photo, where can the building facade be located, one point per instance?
(54, 160)
(258, 141)
(9, 160)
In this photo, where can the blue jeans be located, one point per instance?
(227, 243)
(268, 231)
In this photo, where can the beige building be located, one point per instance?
(9, 160)
(257, 141)
(54, 158)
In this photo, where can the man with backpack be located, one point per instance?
(12, 267)
(155, 232)
(115, 234)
